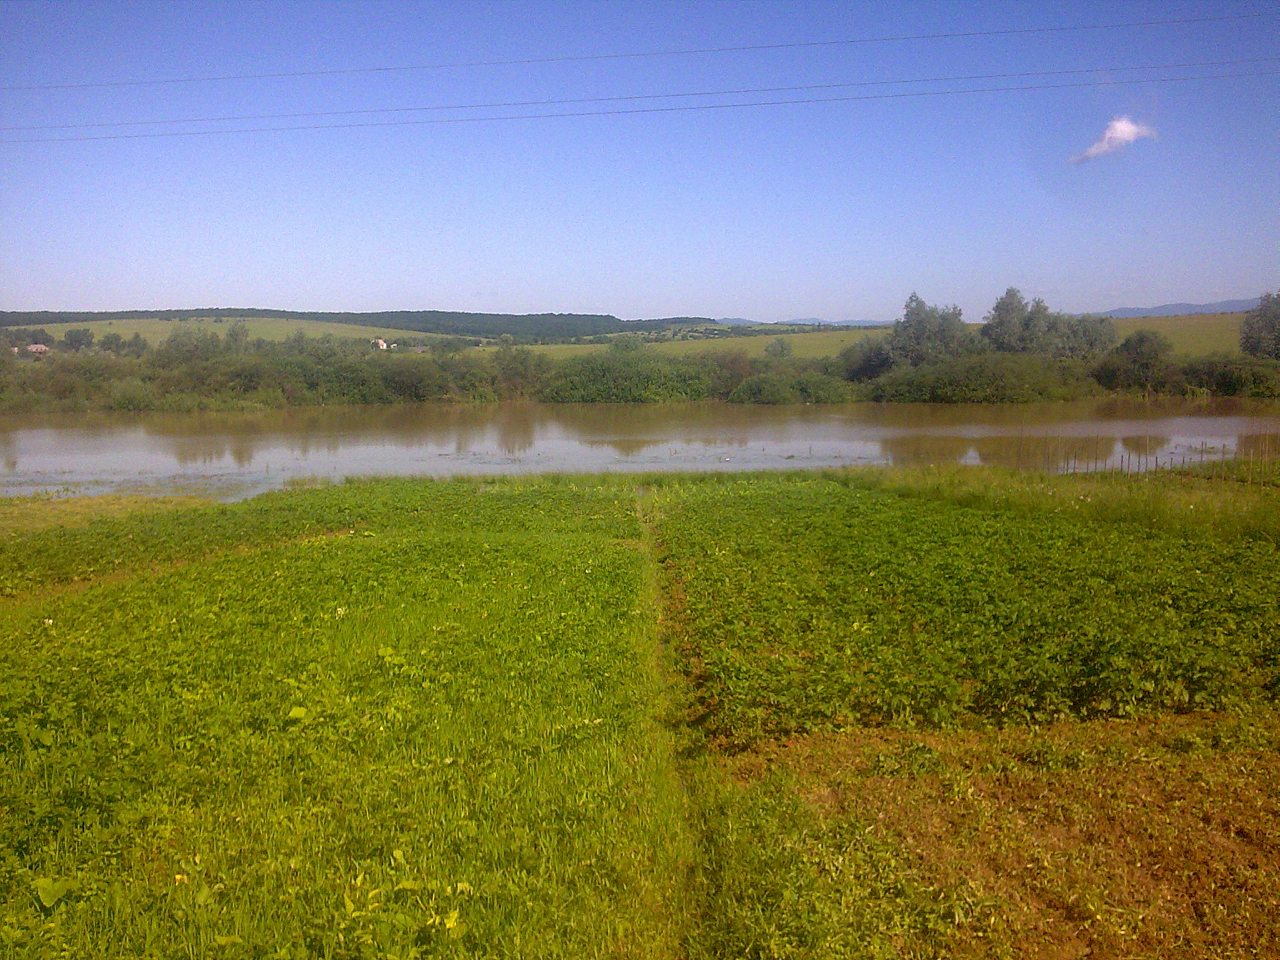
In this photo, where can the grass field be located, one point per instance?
(859, 714)
(268, 328)
(1193, 335)
(807, 345)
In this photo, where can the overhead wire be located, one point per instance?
(678, 108)
(742, 91)
(635, 55)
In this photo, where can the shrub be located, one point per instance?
(1235, 376)
(765, 388)
(984, 378)
(1143, 361)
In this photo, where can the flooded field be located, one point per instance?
(238, 454)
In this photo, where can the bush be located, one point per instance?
(865, 360)
(1143, 361)
(1235, 376)
(821, 388)
(629, 375)
(985, 378)
(131, 395)
(765, 388)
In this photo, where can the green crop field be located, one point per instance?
(268, 328)
(859, 714)
(1193, 335)
(806, 345)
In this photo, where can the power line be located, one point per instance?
(634, 55)
(644, 110)
(642, 96)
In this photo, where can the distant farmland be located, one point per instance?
(1192, 335)
(804, 344)
(268, 328)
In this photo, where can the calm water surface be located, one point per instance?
(239, 454)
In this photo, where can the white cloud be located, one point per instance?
(1120, 132)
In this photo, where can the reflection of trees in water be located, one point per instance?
(8, 452)
(1146, 445)
(193, 451)
(516, 429)
(1258, 446)
(920, 433)
(624, 446)
(923, 448)
(1045, 453)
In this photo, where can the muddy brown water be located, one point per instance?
(234, 455)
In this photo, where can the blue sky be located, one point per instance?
(834, 210)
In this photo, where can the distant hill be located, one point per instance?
(526, 328)
(1181, 309)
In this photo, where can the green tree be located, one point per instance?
(778, 349)
(186, 345)
(111, 342)
(865, 360)
(238, 337)
(81, 338)
(1143, 359)
(1260, 332)
(521, 372)
(927, 333)
(442, 347)
(1015, 326)
(1004, 326)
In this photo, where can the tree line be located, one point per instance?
(1024, 351)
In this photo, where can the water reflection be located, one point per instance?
(1259, 446)
(1145, 445)
(1054, 453)
(924, 448)
(262, 450)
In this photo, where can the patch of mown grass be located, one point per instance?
(781, 879)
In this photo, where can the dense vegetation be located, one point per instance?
(863, 714)
(1260, 332)
(1025, 351)
(198, 369)
(1022, 352)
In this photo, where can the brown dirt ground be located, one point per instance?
(1115, 839)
